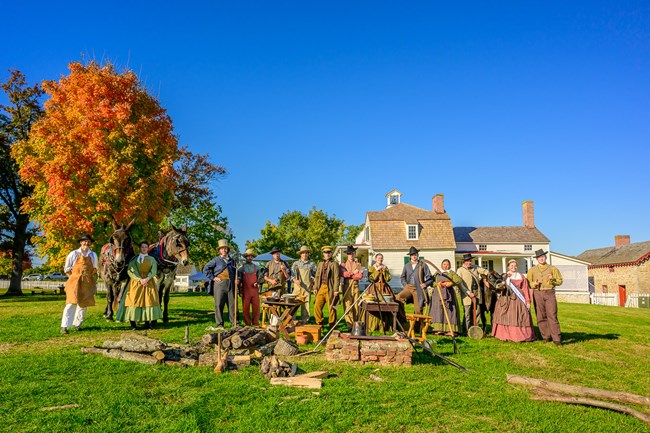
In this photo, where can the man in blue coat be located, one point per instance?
(221, 270)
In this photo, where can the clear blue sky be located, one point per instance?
(333, 104)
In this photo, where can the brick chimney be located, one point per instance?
(438, 203)
(622, 240)
(528, 211)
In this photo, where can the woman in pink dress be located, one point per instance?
(512, 320)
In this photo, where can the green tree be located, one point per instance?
(16, 120)
(205, 226)
(295, 228)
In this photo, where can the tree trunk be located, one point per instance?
(623, 397)
(19, 243)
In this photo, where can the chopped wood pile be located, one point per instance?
(282, 373)
(230, 349)
(146, 350)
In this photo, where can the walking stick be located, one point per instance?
(444, 308)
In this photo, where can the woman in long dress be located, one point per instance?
(140, 301)
(512, 320)
(444, 283)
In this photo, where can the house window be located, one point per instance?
(604, 288)
(488, 264)
(528, 247)
(482, 247)
(367, 233)
(412, 232)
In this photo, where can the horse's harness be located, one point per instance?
(160, 250)
(110, 251)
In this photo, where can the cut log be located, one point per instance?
(266, 350)
(237, 339)
(258, 339)
(159, 355)
(240, 361)
(120, 354)
(320, 374)
(545, 395)
(190, 362)
(298, 382)
(175, 363)
(208, 359)
(623, 397)
(135, 343)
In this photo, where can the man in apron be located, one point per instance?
(247, 281)
(81, 267)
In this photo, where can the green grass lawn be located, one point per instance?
(605, 347)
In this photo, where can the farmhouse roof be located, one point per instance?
(502, 234)
(634, 253)
(388, 228)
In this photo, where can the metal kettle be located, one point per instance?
(359, 329)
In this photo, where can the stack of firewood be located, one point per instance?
(274, 367)
(243, 340)
(146, 350)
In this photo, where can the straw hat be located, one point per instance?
(304, 249)
(249, 253)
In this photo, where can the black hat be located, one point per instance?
(413, 250)
(350, 250)
(275, 250)
(540, 253)
(85, 237)
(467, 257)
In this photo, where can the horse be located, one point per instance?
(170, 251)
(114, 263)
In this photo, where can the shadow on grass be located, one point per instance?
(576, 337)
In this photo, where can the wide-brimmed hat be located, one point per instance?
(249, 253)
(304, 249)
(276, 250)
(326, 248)
(223, 243)
(467, 257)
(85, 237)
(413, 250)
(350, 249)
(540, 253)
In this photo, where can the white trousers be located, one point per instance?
(70, 312)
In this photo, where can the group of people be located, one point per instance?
(139, 302)
(454, 301)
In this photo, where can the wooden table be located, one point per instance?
(285, 311)
(380, 307)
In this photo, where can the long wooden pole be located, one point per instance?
(623, 397)
(444, 308)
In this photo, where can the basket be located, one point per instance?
(284, 347)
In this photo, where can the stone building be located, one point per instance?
(622, 269)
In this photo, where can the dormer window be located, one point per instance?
(412, 232)
(393, 199)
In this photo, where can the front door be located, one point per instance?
(622, 296)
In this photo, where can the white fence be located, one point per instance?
(611, 299)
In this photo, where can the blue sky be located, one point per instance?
(333, 104)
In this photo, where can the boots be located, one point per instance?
(133, 327)
(64, 330)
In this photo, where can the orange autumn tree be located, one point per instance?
(103, 147)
